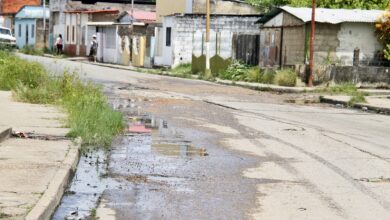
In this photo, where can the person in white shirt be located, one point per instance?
(59, 44)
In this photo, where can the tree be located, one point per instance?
(361, 4)
(382, 27)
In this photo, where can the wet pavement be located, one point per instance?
(234, 153)
(153, 167)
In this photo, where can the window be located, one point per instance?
(33, 30)
(168, 36)
(67, 33)
(20, 30)
(73, 33)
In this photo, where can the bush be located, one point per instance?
(286, 77)
(254, 74)
(89, 115)
(268, 76)
(236, 71)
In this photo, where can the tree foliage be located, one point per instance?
(383, 32)
(362, 4)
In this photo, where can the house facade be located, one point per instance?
(285, 36)
(29, 29)
(9, 8)
(58, 9)
(181, 37)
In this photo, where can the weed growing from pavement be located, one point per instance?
(348, 89)
(89, 115)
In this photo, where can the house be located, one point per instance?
(9, 8)
(59, 7)
(78, 30)
(181, 39)
(170, 7)
(136, 38)
(181, 35)
(285, 34)
(29, 26)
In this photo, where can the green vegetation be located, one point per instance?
(90, 116)
(238, 71)
(286, 77)
(351, 4)
(382, 29)
(31, 50)
(345, 89)
(357, 98)
(183, 70)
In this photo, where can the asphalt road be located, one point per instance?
(266, 159)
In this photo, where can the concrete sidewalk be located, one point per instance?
(33, 172)
(376, 103)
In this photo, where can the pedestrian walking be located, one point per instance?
(59, 45)
(94, 48)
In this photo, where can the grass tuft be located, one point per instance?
(286, 77)
(89, 115)
(183, 70)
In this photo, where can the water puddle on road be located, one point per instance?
(145, 158)
(86, 187)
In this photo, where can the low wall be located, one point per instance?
(343, 74)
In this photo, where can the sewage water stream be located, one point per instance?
(131, 162)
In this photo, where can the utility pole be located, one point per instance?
(44, 23)
(132, 9)
(207, 71)
(312, 37)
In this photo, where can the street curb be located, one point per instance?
(262, 87)
(376, 109)
(4, 135)
(49, 201)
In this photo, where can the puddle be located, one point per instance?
(178, 150)
(88, 184)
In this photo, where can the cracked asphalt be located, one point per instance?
(266, 158)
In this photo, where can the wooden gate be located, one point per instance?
(246, 48)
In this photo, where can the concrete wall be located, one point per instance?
(365, 75)
(184, 28)
(224, 7)
(293, 46)
(357, 35)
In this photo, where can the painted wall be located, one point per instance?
(25, 30)
(75, 34)
(185, 27)
(164, 55)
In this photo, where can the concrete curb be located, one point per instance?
(263, 87)
(369, 107)
(49, 201)
(5, 134)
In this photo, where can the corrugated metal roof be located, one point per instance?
(32, 12)
(326, 15)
